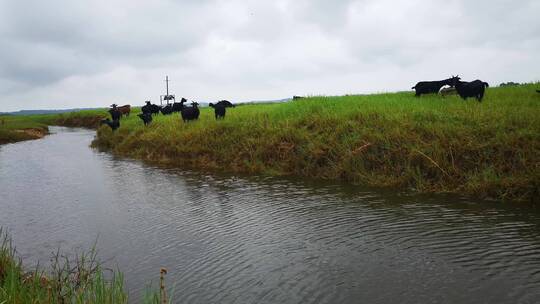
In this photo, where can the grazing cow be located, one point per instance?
(115, 113)
(427, 87)
(167, 110)
(226, 104)
(178, 106)
(150, 108)
(448, 91)
(471, 89)
(219, 110)
(146, 118)
(190, 113)
(115, 124)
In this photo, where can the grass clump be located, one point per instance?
(79, 279)
(427, 144)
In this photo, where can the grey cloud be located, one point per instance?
(250, 49)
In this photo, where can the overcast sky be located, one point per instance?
(66, 54)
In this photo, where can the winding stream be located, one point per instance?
(239, 239)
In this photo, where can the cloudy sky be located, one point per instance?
(65, 53)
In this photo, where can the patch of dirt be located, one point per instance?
(34, 132)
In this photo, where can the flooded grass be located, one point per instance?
(428, 144)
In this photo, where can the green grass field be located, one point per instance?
(428, 144)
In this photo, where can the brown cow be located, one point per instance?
(124, 110)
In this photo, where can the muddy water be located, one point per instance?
(234, 239)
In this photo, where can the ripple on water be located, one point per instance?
(234, 239)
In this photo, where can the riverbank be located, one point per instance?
(19, 128)
(428, 144)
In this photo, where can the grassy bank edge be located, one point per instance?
(20, 128)
(430, 144)
(489, 150)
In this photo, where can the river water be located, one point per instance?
(252, 239)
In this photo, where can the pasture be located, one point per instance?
(426, 144)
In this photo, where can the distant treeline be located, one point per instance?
(38, 112)
(509, 84)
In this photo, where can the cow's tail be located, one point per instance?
(486, 84)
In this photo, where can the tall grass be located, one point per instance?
(428, 144)
(79, 279)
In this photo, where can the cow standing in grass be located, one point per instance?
(190, 113)
(124, 110)
(146, 118)
(114, 124)
(178, 106)
(225, 103)
(432, 87)
(115, 113)
(150, 108)
(219, 110)
(167, 110)
(474, 89)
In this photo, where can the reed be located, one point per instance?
(78, 279)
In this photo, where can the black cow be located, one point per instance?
(167, 110)
(150, 108)
(190, 113)
(115, 113)
(115, 124)
(226, 104)
(146, 118)
(219, 110)
(178, 106)
(471, 89)
(428, 87)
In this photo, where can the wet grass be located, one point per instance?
(428, 144)
(77, 279)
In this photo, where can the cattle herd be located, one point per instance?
(149, 110)
(464, 89)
